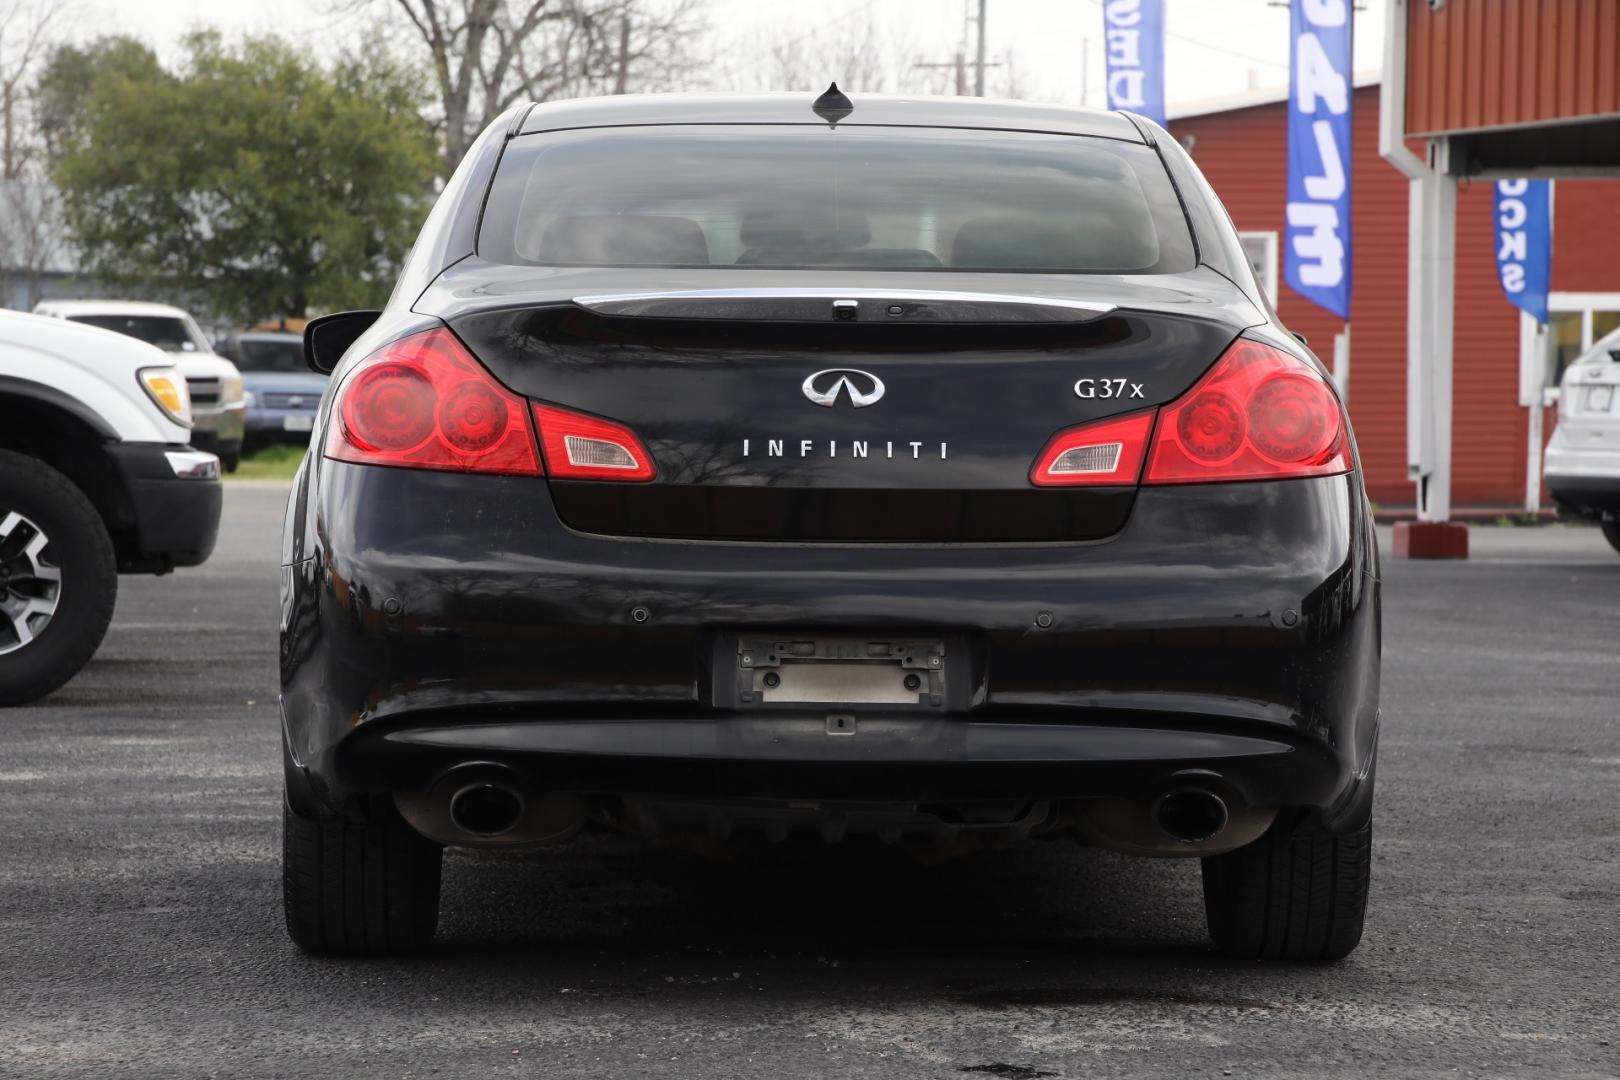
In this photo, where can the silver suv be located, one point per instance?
(1583, 458)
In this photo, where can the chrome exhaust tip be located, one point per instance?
(1190, 815)
(486, 808)
(478, 803)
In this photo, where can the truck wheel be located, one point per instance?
(1611, 532)
(229, 462)
(362, 884)
(1290, 895)
(58, 579)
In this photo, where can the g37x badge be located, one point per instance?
(1107, 388)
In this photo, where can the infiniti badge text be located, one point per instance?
(854, 448)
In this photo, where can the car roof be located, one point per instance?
(795, 108)
(68, 308)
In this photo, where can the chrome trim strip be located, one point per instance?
(600, 300)
(193, 464)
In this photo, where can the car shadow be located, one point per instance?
(1004, 928)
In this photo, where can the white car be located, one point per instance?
(1583, 458)
(96, 479)
(218, 408)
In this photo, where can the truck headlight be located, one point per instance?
(230, 390)
(165, 386)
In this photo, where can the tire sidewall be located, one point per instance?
(80, 546)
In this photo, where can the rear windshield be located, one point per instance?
(847, 198)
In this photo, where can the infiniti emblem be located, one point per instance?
(863, 387)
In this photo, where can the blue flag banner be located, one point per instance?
(1524, 243)
(1317, 252)
(1134, 34)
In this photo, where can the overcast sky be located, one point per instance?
(1214, 49)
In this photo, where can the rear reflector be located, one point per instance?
(1105, 452)
(424, 402)
(579, 446)
(1259, 414)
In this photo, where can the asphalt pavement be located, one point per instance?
(140, 908)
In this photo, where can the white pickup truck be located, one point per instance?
(97, 478)
(218, 407)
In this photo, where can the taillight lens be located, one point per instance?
(579, 446)
(1259, 414)
(1105, 452)
(424, 402)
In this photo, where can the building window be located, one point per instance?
(1576, 321)
(1262, 251)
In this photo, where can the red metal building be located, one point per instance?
(1243, 150)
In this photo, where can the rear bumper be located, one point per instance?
(1589, 488)
(174, 500)
(431, 619)
(893, 758)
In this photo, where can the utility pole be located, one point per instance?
(958, 66)
(960, 63)
(1085, 71)
(978, 63)
(621, 82)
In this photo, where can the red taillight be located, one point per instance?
(583, 447)
(1259, 414)
(1105, 452)
(424, 402)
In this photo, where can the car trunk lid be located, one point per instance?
(817, 410)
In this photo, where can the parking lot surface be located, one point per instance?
(140, 910)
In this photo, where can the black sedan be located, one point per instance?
(762, 470)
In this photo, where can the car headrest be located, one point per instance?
(1037, 243)
(624, 240)
(804, 230)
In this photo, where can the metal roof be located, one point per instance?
(795, 108)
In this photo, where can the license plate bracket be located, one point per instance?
(841, 671)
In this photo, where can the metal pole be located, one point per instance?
(1341, 363)
(1085, 68)
(978, 64)
(1532, 469)
(1431, 367)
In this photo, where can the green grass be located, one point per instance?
(271, 463)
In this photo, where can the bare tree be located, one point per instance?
(25, 32)
(486, 55)
(31, 236)
(863, 54)
(857, 55)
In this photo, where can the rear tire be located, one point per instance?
(1611, 532)
(365, 884)
(80, 554)
(1293, 894)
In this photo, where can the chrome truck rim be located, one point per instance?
(30, 585)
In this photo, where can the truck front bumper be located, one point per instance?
(173, 505)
